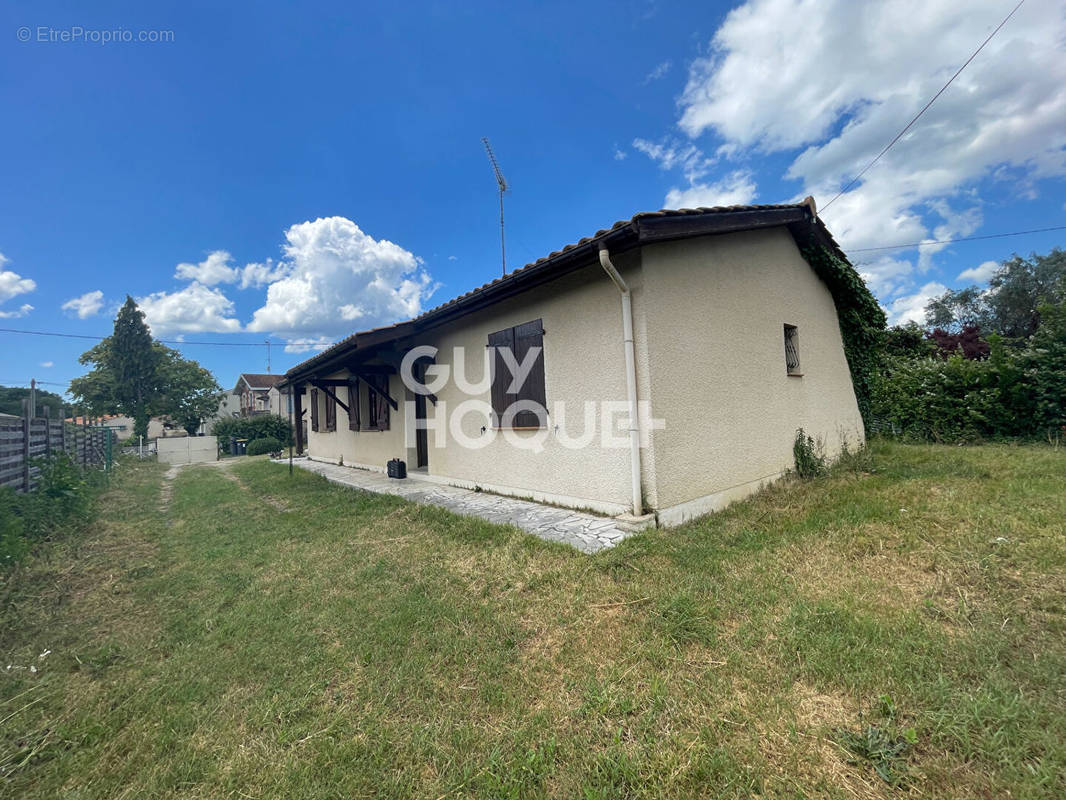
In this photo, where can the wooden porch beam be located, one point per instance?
(388, 398)
(329, 392)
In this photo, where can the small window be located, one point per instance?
(792, 358)
(377, 405)
(519, 341)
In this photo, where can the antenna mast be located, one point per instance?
(501, 183)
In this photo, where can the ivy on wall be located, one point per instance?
(862, 321)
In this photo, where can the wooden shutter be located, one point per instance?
(383, 404)
(501, 375)
(353, 405)
(331, 412)
(377, 405)
(527, 336)
(314, 410)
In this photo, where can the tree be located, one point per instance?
(134, 375)
(133, 363)
(11, 401)
(908, 340)
(189, 394)
(1010, 307)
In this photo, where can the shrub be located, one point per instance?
(1019, 391)
(61, 502)
(810, 456)
(13, 545)
(265, 445)
(251, 428)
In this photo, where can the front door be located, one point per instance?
(421, 434)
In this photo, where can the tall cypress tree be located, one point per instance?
(133, 362)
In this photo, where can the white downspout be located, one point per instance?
(631, 378)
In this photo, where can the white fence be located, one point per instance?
(187, 450)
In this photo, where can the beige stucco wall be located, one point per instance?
(358, 448)
(583, 361)
(715, 309)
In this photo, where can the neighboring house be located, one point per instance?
(228, 408)
(710, 320)
(123, 425)
(260, 394)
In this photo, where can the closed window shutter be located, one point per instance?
(501, 375)
(378, 405)
(528, 336)
(331, 412)
(353, 405)
(383, 405)
(314, 410)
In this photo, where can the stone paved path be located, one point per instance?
(587, 532)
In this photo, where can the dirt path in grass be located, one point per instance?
(166, 491)
(224, 468)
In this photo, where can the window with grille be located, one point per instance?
(792, 358)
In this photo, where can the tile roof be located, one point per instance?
(259, 380)
(626, 228)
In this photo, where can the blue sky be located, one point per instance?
(275, 171)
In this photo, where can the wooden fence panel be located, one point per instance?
(23, 441)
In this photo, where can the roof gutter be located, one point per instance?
(631, 378)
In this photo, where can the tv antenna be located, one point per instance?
(501, 183)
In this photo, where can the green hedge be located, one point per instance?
(251, 428)
(1019, 391)
(266, 445)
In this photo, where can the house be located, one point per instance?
(261, 394)
(710, 324)
(122, 425)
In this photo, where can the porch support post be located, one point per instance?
(297, 407)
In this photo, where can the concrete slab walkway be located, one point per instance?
(587, 532)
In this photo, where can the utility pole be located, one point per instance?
(33, 398)
(268, 356)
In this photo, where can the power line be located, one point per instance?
(162, 341)
(925, 108)
(952, 241)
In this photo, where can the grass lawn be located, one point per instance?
(246, 634)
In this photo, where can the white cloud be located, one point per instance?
(214, 269)
(22, 311)
(337, 278)
(85, 306)
(737, 188)
(48, 364)
(196, 308)
(831, 98)
(734, 188)
(981, 273)
(257, 275)
(12, 284)
(658, 72)
(911, 308)
(304, 344)
(218, 268)
(619, 154)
